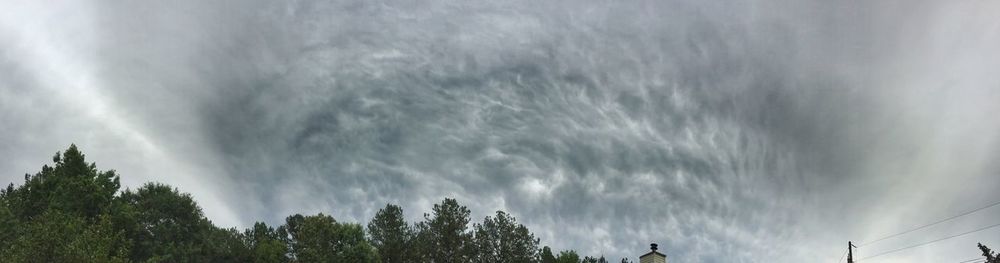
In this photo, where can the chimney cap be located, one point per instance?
(652, 246)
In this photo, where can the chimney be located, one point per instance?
(653, 256)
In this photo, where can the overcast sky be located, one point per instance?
(725, 131)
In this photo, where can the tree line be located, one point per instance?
(72, 212)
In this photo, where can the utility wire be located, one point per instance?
(973, 260)
(932, 241)
(842, 257)
(931, 224)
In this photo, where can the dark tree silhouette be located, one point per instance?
(61, 214)
(568, 256)
(502, 239)
(265, 244)
(547, 256)
(72, 186)
(990, 256)
(72, 212)
(167, 225)
(320, 238)
(391, 235)
(443, 235)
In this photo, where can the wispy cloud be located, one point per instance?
(727, 132)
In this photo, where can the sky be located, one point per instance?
(725, 131)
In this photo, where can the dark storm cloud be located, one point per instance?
(726, 132)
(559, 116)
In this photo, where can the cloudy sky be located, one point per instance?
(726, 131)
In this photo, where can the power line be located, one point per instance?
(932, 241)
(931, 224)
(973, 260)
(842, 257)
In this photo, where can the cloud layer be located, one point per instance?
(726, 132)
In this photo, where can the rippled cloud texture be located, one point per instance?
(737, 131)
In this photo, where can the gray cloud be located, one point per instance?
(726, 132)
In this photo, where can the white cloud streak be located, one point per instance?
(744, 131)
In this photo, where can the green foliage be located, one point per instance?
(320, 238)
(168, 225)
(225, 245)
(71, 212)
(502, 239)
(568, 256)
(265, 244)
(444, 237)
(72, 186)
(547, 256)
(390, 234)
(55, 236)
(60, 214)
(8, 223)
(594, 260)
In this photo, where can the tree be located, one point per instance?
(8, 223)
(320, 238)
(990, 256)
(265, 244)
(72, 186)
(72, 212)
(61, 214)
(502, 239)
(546, 255)
(391, 235)
(568, 256)
(166, 225)
(443, 236)
(223, 245)
(55, 236)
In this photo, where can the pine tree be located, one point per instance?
(72, 186)
(389, 233)
(443, 236)
(568, 256)
(502, 239)
(990, 256)
(547, 256)
(62, 213)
